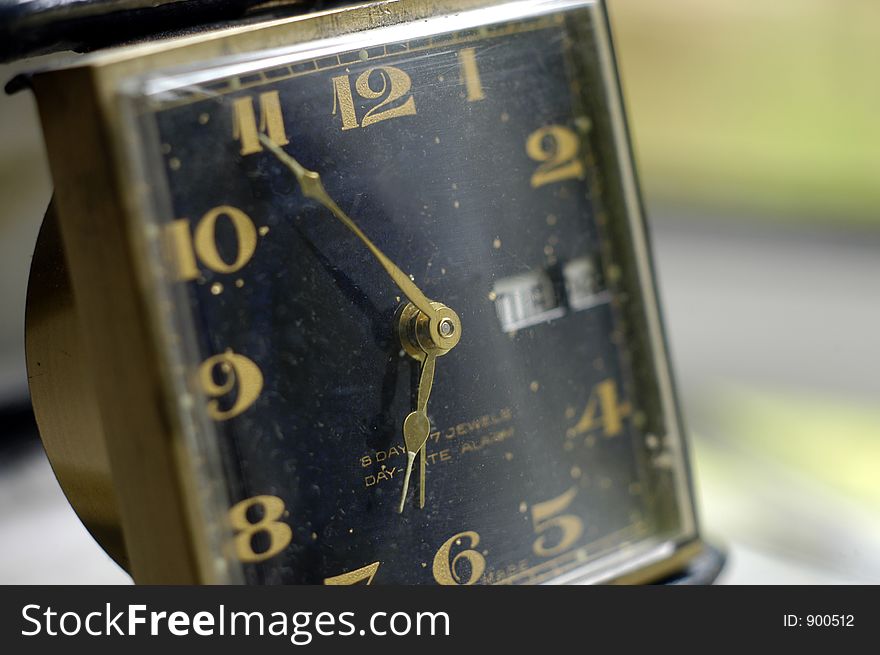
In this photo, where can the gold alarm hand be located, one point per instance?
(416, 428)
(312, 187)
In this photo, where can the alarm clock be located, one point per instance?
(361, 296)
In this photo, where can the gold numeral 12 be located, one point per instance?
(244, 122)
(394, 86)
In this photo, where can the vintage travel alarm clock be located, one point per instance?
(361, 296)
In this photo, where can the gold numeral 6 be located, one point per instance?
(187, 250)
(236, 373)
(278, 533)
(546, 516)
(556, 147)
(446, 570)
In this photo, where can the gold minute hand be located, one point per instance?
(312, 187)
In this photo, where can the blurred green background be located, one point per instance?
(756, 107)
(755, 126)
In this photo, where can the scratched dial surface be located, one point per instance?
(474, 162)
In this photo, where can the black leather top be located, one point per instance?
(32, 27)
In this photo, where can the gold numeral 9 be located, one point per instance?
(602, 401)
(186, 250)
(446, 570)
(545, 516)
(556, 147)
(244, 122)
(367, 573)
(237, 373)
(394, 85)
(278, 533)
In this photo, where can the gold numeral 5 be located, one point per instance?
(545, 516)
(244, 122)
(556, 147)
(186, 250)
(239, 374)
(446, 570)
(277, 532)
(394, 86)
(603, 400)
(367, 573)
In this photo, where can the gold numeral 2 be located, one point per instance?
(470, 74)
(239, 373)
(185, 249)
(545, 516)
(244, 122)
(556, 147)
(395, 85)
(367, 573)
(446, 570)
(278, 533)
(603, 399)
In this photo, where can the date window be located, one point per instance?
(525, 300)
(582, 286)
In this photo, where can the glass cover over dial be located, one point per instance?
(315, 209)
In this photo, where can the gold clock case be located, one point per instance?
(100, 394)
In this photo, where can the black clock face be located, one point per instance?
(470, 160)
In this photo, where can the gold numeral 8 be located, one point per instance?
(278, 533)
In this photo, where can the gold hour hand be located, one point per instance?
(416, 427)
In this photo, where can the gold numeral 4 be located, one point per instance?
(277, 533)
(244, 122)
(387, 84)
(602, 410)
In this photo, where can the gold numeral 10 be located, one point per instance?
(546, 516)
(391, 85)
(244, 122)
(446, 570)
(602, 410)
(367, 573)
(556, 147)
(187, 249)
(277, 533)
(230, 374)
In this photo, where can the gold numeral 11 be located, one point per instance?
(244, 122)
